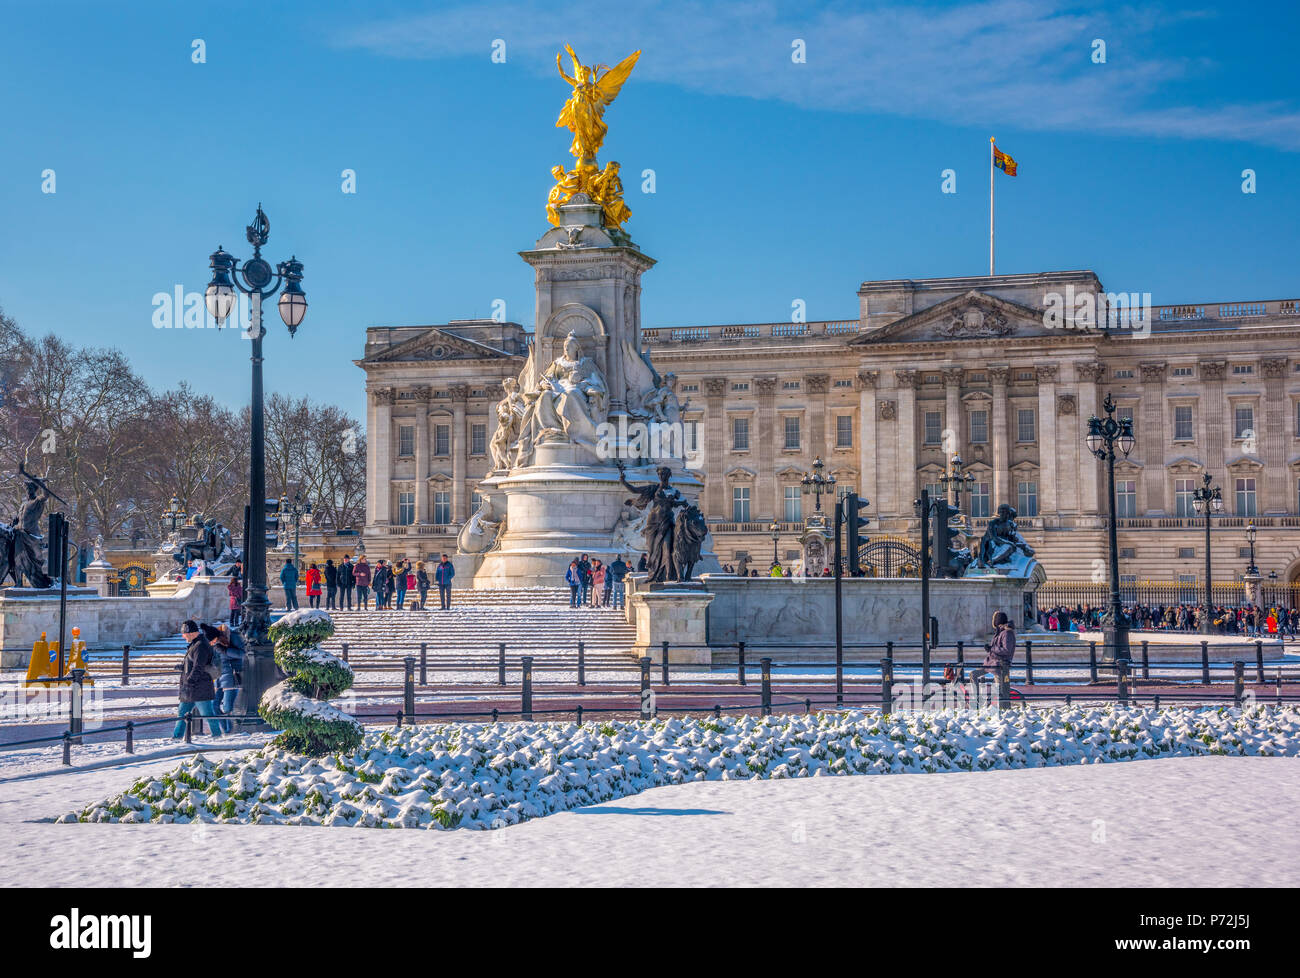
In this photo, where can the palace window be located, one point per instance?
(1183, 489)
(1243, 368)
(442, 506)
(1126, 499)
(740, 434)
(1183, 422)
(1027, 499)
(1025, 425)
(977, 378)
(979, 427)
(1186, 553)
(843, 383)
(979, 500)
(478, 439)
(405, 508)
(844, 431)
(1243, 421)
(793, 508)
(690, 388)
(691, 430)
(1123, 374)
(740, 387)
(442, 439)
(740, 504)
(933, 427)
(1246, 497)
(1183, 371)
(405, 440)
(935, 489)
(791, 434)
(790, 385)
(1026, 375)
(1128, 553)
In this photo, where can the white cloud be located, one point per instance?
(997, 62)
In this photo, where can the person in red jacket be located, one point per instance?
(313, 586)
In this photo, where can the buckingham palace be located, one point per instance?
(978, 367)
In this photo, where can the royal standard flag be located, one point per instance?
(1004, 162)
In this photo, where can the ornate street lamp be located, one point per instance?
(954, 481)
(817, 484)
(299, 511)
(1106, 437)
(174, 514)
(1250, 538)
(258, 281)
(1207, 499)
(775, 530)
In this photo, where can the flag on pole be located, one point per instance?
(1004, 162)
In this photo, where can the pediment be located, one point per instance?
(974, 315)
(439, 344)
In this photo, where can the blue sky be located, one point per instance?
(775, 181)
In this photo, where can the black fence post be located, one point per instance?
(767, 685)
(130, 736)
(526, 693)
(582, 664)
(126, 665)
(399, 718)
(647, 697)
(961, 659)
(740, 663)
(67, 749)
(1029, 662)
(189, 727)
(1004, 686)
(1092, 662)
(408, 693)
(1121, 681)
(578, 711)
(77, 706)
(424, 663)
(1238, 682)
(496, 714)
(665, 662)
(501, 664)
(344, 650)
(1259, 660)
(887, 682)
(1205, 663)
(1146, 660)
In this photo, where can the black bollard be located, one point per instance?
(1238, 682)
(526, 693)
(1259, 661)
(424, 663)
(579, 713)
(1205, 663)
(344, 651)
(887, 683)
(647, 696)
(1029, 662)
(582, 664)
(67, 749)
(76, 707)
(501, 664)
(408, 692)
(126, 665)
(130, 736)
(1121, 681)
(665, 662)
(1004, 686)
(767, 686)
(1092, 662)
(740, 663)
(1146, 660)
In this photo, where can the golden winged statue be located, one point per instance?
(594, 88)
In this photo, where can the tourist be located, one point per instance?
(608, 589)
(381, 581)
(617, 580)
(346, 583)
(197, 691)
(189, 568)
(1001, 650)
(421, 582)
(331, 585)
(229, 645)
(597, 581)
(361, 578)
(236, 591)
(584, 571)
(776, 571)
(399, 584)
(313, 586)
(289, 581)
(573, 578)
(443, 574)
(642, 565)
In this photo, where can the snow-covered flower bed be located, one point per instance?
(480, 776)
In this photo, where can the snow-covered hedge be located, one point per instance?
(480, 776)
(296, 706)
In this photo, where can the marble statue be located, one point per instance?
(567, 404)
(483, 530)
(510, 415)
(1002, 548)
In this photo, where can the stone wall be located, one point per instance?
(105, 622)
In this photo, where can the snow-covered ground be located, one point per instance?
(1204, 821)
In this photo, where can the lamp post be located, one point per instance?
(300, 512)
(1105, 437)
(1207, 499)
(174, 514)
(258, 281)
(817, 484)
(954, 481)
(1252, 577)
(775, 530)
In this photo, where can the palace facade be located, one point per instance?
(985, 367)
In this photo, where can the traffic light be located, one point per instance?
(853, 507)
(272, 528)
(949, 561)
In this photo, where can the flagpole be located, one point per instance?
(991, 205)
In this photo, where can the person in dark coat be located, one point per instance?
(422, 582)
(228, 646)
(380, 582)
(1000, 651)
(197, 690)
(331, 584)
(443, 574)
(361, 575)
(236, 591)
(289, 580)
(346, 583)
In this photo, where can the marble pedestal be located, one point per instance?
(678, 617)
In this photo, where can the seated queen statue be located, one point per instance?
(569, 402)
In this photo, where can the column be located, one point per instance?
(422, 396)
(866, 434)
(1153, 435)
(905, 478)
(952, 419)
(1048, 505)
(1214, 411)
(383, 439)
(819, 435)
(1276, 488)
(715, 442)
(765, 505)
(1088, 375)
(459, 452)
(1001, 437)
